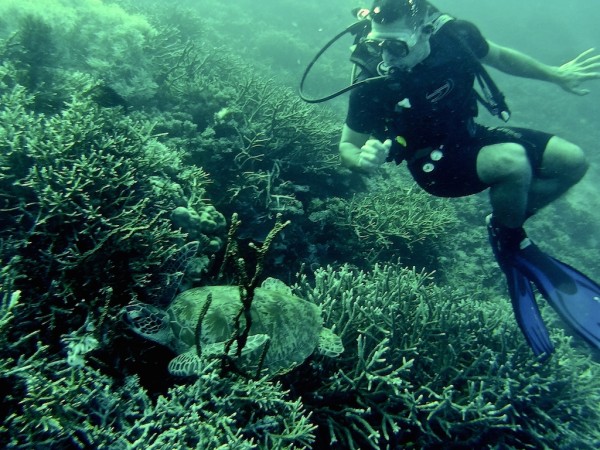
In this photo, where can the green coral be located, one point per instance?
(83, 408)
(72, 188)
(89, 36)
(202, 225)
(391, 218)
(427, 367)
(87, 194)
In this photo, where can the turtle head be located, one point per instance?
(148, 321)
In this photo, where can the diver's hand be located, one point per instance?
(583, 68)
(373, 154)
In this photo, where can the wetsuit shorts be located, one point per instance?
(450, 170)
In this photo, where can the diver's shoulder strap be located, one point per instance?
(441, 20)
(492, 98)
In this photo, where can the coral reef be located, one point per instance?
(59, 399)
(54, 38)
(198, 224)
(426, 367)
(76, 193)
(392, 218)
(126, 138)
(85, 227)
(61, 406)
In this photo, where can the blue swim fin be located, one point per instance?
(522, 298)
(574, 296)
(527, 312)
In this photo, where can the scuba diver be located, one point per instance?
(414, 100)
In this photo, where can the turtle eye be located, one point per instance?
(130, 314)
(143, 319)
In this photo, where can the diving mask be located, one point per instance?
(396, 44)
(396, 47)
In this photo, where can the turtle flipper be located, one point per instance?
(330, 344)
(187, 364)
(190, 364)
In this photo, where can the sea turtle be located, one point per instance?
(293, 327)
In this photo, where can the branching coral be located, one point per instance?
(276, 140)
(99, 38)
(80, 407)
(392, 218)
(85, 211)
(428, 367)
(259, 136)
(87, 194)
(395, 210)
(73, 189)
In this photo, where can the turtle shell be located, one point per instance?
(292, 324)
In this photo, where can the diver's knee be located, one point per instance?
(575, 163)
(504, 163)
(567, 160)
(579, 162)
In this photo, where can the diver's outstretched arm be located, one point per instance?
(568, 76)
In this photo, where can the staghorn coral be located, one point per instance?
(429, 368)
(258, 135)
(79, 407)
(72, 188)
(391, 218)
(395, 210)
(90, 36)
(272, 142)
(85, 205)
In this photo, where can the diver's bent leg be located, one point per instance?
(505, 167)
(563, 165)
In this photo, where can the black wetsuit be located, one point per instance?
(429, 113)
